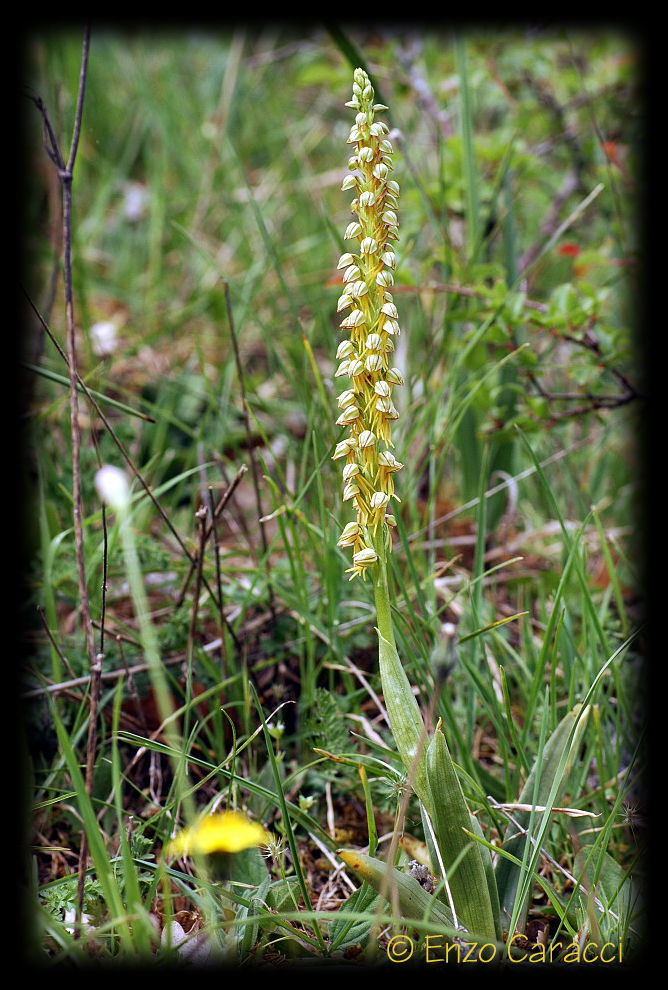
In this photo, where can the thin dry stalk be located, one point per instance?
(219, 586)
(251, 448)
(65, 174)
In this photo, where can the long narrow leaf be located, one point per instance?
(450, 816)
(541, 788)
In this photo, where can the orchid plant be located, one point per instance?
(469, 901)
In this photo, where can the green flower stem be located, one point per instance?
(406, 722)
(381, 590)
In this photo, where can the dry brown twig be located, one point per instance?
(65, 174)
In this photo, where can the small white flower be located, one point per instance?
(103, 337)
(135, 203)
(113, 487)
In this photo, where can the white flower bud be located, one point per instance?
(345, 349)
(349, 415)
(365, 557)
(373, 363)
(349, 472)
(391, 326)
(354, 319)
(352, 272)
(350, 491)
(349, 536)
(387, 460)
(379, 500)
(346, 398)
(358, 289)
(343, 448)
(345, 260)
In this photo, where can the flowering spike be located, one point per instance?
(365, 404)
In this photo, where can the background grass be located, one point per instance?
(213, 159)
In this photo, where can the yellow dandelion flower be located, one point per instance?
(223, 832)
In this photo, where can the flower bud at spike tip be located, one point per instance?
(365, 404)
